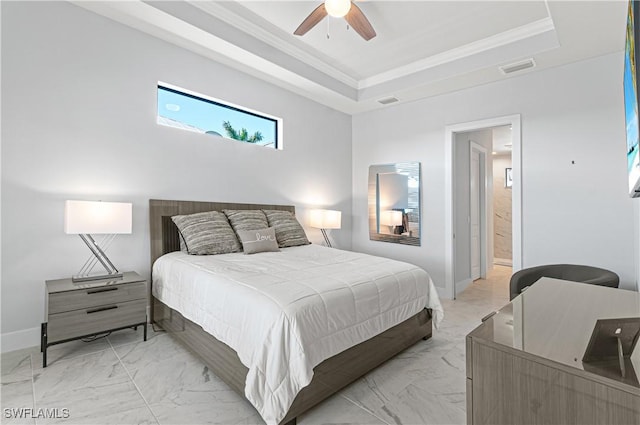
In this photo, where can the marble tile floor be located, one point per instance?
(123, 380)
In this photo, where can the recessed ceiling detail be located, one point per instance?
(517, 66)
(388, 100)
(422, 48)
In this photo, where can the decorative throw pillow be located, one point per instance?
(183, 245)
(207, 233)
(263, 240)
(288, 231)
(246, 219)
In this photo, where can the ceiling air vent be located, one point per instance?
(517, 66)
(388, 100)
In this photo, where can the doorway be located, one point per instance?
(478, 211)
(471, 200)
(459, 272)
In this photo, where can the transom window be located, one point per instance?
(190, 111)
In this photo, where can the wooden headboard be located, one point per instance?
(163, 231)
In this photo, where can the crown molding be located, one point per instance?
(498, 40)
(251, 28)
(150, 20)
(406, 83)
(254, 30)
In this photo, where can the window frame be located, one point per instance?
(227, 105)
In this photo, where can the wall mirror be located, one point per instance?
(394, 203)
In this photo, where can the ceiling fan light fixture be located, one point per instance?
(340, 9)
(337, 8)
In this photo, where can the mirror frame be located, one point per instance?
(374, 235)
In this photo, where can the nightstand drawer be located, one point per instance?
(60, 302)
(90, 320)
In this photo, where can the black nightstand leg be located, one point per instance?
(41, 337)
(145, 330)
(44, 345)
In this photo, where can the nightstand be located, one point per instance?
(83, 309)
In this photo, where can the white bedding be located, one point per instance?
(285, 312)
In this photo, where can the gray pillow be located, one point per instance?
(207, 233)
(183, 245)
(262, 240)
(247, 219)
(288, 231)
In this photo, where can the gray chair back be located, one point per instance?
(572, 272)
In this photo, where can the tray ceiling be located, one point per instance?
(408, 31)
(423, 48)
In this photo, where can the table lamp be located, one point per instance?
(325, 219)
(391, 218)
(85, 218)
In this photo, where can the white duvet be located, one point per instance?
(285, 312)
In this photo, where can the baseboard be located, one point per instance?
(18, 340)
(443, 293)
(462, 285)
(503, 262)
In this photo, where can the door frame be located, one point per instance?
(516, 157)
(485, 201)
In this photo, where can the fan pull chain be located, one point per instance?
(328, 27)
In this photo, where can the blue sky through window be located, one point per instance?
(206, 115)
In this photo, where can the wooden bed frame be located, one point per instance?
(329, 376)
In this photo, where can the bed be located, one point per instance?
(330, 373)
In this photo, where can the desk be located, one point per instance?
(524, 364)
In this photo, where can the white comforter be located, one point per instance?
(285, 312)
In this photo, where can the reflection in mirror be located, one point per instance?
(394, 203)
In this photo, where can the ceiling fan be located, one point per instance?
(338, 9)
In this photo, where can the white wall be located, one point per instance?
(79, 97)
(572, 212)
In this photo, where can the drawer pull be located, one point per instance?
(95, 310)
(97, 291)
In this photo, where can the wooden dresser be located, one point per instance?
(524, 364)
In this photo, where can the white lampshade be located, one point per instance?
(97, 217)
(325, 219)
(337, 8)
(391, 218)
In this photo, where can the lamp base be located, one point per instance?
(326, 238)
(98, 253)
(114, 276)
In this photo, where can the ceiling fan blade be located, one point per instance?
(312, 20)
(359, 22)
